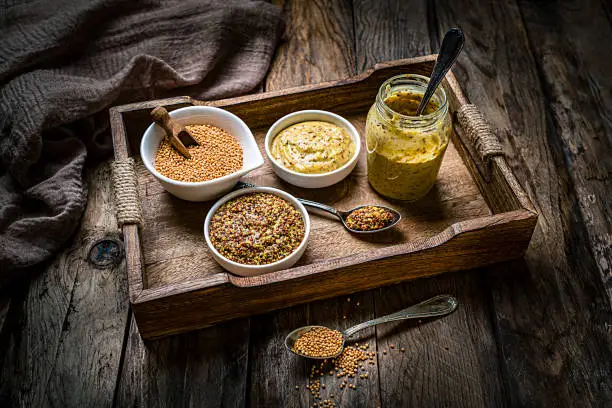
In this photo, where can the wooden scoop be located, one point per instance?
(176, 133)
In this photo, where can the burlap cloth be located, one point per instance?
(63, 63)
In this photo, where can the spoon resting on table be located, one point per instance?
(437, 306)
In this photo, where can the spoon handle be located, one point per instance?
(436, 306)
(307, 203)
(452, 44)
(320, 206)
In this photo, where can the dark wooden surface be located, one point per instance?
(536, 332)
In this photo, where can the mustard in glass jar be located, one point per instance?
(404, 151)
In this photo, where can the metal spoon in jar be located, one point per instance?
(343, 215)
(451, 47)
(437, 306)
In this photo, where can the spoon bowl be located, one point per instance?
(294, 335)
(343, 215)
(396, 218)
(436, 306)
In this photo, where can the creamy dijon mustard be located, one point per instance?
(313, 147)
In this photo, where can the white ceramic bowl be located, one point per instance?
(202, 115)
(312, 180)
(253, 270)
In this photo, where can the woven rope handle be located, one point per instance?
(125, 186)
(479, 132)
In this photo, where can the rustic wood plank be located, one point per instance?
(578, 88)
(65, 347)
(450, 361)
(320, 48)
(388, 30)
(552, 312)
(440, 376)
(205, 368)
(273, 371)
(318, 44)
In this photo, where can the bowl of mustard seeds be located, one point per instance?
(226, 151)
(257, 230)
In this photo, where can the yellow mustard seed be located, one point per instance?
(319, 342)
(218, 154)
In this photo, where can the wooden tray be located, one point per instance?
(476, 215)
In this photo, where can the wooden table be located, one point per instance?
(536, 332)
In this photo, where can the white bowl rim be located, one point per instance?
(352, 130)
(200, 109)
(244, 191)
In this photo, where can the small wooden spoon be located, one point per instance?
(176, 133)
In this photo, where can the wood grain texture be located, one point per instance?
(388, 30)
(275, 372)
(207, 368)
(318, 44)
(65, 347)
(532, 76)
(449, 361)
(427, 374)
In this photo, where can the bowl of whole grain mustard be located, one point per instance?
(312, 148)
(257, 230)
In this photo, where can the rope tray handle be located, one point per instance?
(125, 186)
(479, 132)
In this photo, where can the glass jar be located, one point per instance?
(404, 151)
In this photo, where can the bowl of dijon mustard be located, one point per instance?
(312, 148)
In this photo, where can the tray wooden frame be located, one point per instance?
(184, 306)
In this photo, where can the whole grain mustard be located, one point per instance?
(256, 229)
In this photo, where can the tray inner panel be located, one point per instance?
(173, 244)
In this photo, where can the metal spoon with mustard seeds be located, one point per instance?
(437, 306)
